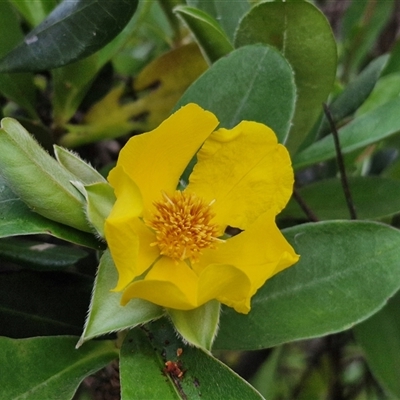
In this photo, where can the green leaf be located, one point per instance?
(17, 219)
(379, 337)
(17, 87)
(355, 93)
(38, 255)
(45, 303)
(208, 34)
(73, 31)
(198, 326)
(143, 374)
(340, 264)
(367, 129)
(49, 367)
(303, 35)
(362, 24)
(227, 13)
(38, 179)
(263, 93)
(374, 197)
(386, 89)
(105, 312)
(83, 171)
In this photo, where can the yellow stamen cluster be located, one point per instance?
(183, 228)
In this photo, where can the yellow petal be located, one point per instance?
(246, 171)
(156, 160)
(127, 237)
(259, 252)
(227, 284)
(168, 284)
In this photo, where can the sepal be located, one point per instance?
(78, 167)
(199, 326)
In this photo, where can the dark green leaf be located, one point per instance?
(209, 35)
(143, 357)
(74, 30)
(38, 255)
(303, 35)
(355, 93)
(42, 304)
(332, 287)
(373, 197)
(367, 129)
(49, 367)
(263, 93)
(379, 337)
(17, 219)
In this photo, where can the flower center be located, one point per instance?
(183, 228)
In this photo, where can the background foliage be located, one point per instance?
(89, 74)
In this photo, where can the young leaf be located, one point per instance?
(303, 35)
(37, 178)
(49, 367)
(209, 35)
(73, 30)
(340, 264)
(153, 358)
(105, 312)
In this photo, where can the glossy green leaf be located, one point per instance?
(49, 367)
(208, 34)
(379, 337)
(374, 197)
(105, 312)
(38, 255)
(43, 303)
(143, 375)
(227, 13)
(355, 93)
(17, 87)
(263, 93)
(37, 178)
(340, 264)
(369, 128)
(303, 35)
(74, 30)
(198, 326)
(18, 219)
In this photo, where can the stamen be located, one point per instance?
(183, 227)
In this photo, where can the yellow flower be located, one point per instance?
(168, 245)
